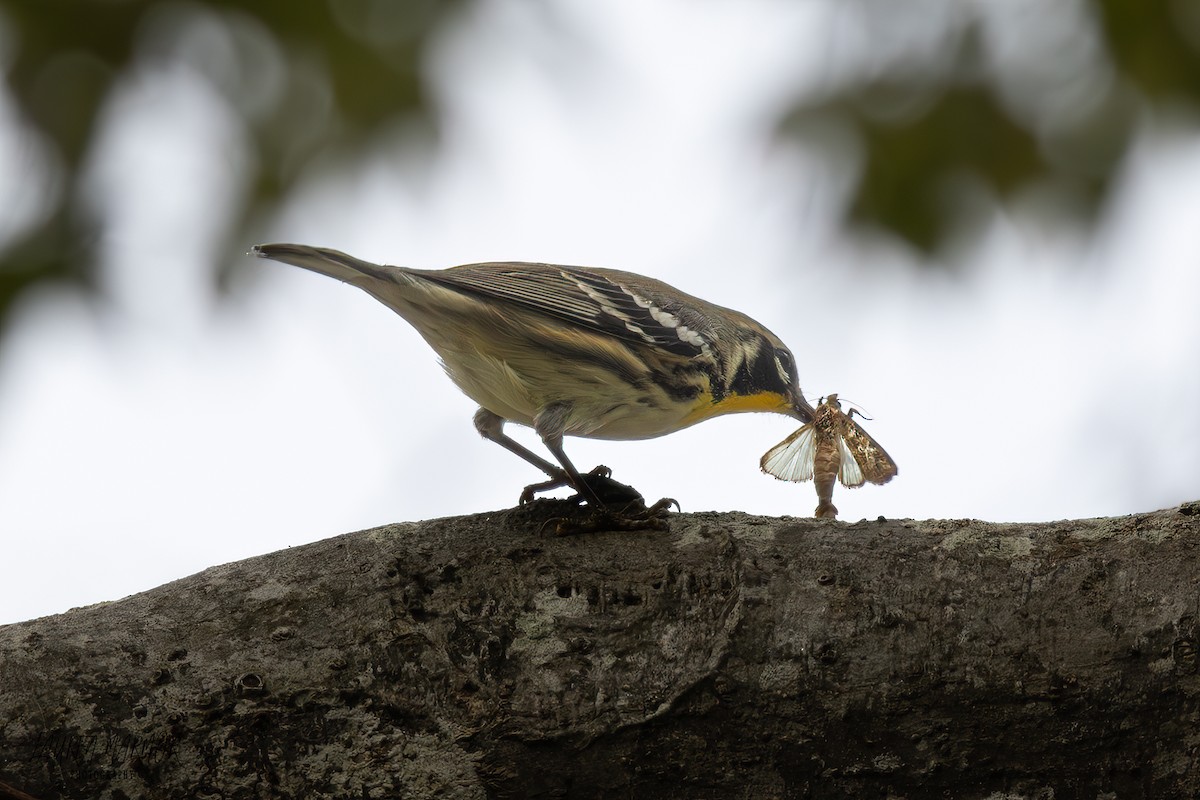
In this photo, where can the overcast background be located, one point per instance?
(1030, 369)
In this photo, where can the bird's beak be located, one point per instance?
(801, 410)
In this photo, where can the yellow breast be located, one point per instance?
(705, 408)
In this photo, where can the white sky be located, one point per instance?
(1048, 376)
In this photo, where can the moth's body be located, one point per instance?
(831, 447)
(827, 458)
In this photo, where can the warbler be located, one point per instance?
(576, 351)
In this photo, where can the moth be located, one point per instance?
(832, 446)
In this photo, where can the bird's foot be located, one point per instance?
(598, 482)
(595, 520)
(621, 507)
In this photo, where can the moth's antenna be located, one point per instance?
(854, 410)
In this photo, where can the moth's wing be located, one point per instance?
(792, 459)
(862, 457)
(848, 473)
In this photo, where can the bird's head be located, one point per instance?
(760, 374)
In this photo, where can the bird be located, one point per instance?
(576, 351)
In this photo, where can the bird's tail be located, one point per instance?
(333, 263)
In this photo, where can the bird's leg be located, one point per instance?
(491, 427)
(575, 480)
(596, 487)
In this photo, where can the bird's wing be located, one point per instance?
(603, 301)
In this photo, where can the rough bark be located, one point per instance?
(731, 656)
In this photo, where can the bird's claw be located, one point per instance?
(529, 493)
(621, 508)
(663, 507)
(633, 516)
(600, 483)
(596, 521)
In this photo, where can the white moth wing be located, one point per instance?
(792, 459)
(850, 473)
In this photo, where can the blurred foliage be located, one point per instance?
(348, 66)
(1058, 116)
(924, 121)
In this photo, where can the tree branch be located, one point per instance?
(732, 656)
